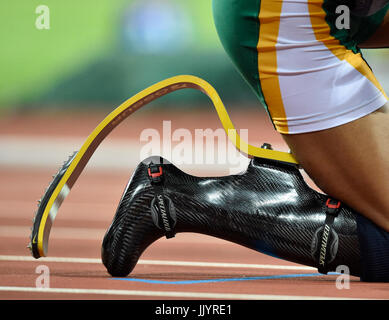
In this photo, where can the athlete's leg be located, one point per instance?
(351, 163)
(320, 93)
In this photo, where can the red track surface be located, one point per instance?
(88, 211)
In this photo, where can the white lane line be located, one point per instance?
(161, 262)
(164, 294)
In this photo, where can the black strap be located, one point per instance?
(328, 238)
(162, 209)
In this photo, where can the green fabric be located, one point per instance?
(361, 28)
(237, 25)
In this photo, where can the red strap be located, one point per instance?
(155, 174)
(331, 205)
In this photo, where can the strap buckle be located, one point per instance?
(155, 172)
(163, 212)
(332, 206)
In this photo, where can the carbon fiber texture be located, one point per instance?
(268, 208)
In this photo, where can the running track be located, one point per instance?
(189, 266)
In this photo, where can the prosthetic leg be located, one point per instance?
(268, 208)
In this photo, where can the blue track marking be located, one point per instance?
(274, 277)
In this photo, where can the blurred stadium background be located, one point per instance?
(97, 53)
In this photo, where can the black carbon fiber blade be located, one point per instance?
(38, 247)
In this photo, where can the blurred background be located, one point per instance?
(98, 53)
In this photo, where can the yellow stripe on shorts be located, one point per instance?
(269, 21)
(322, 33)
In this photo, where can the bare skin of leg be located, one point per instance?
(351, 163)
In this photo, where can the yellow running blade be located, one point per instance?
(70, 171)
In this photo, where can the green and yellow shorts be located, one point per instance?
(309, 74)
